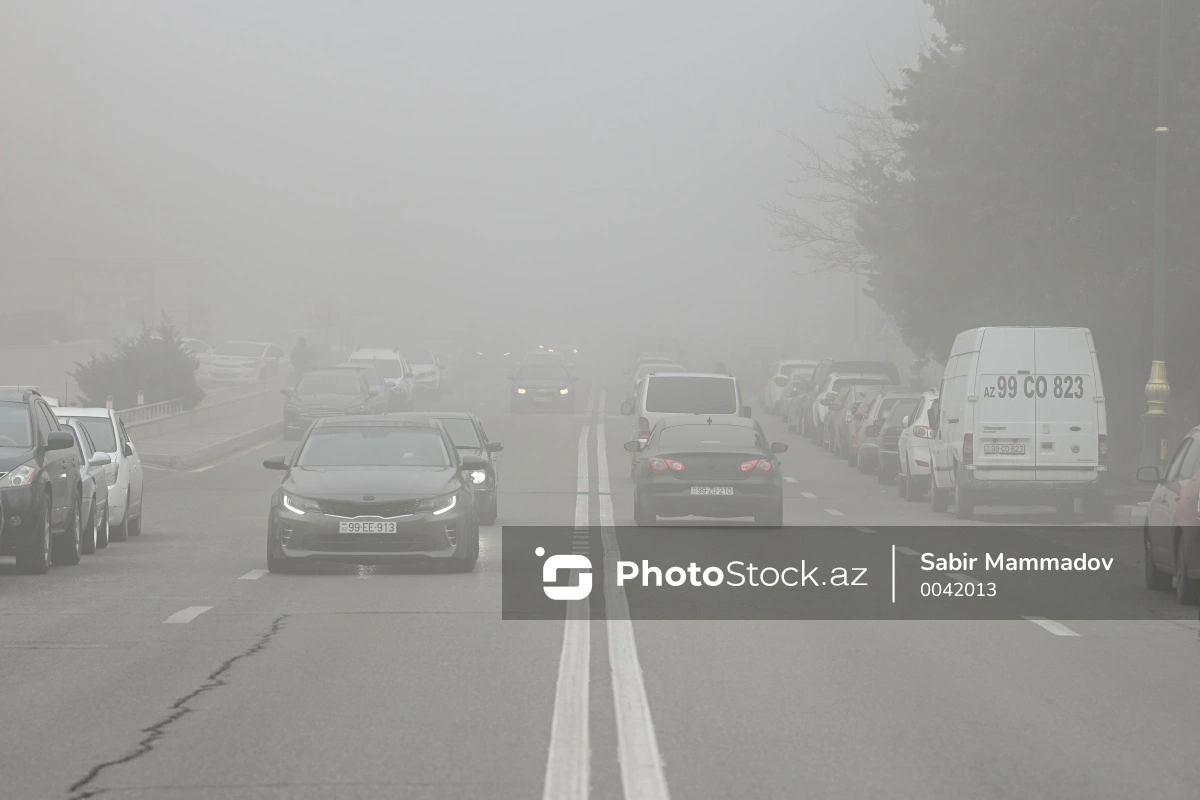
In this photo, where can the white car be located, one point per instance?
(124, 474)
(243, 361)
(196, 347)
(912, 476)
(834, 382)
(774, 392)
(798, 382)
(426, 373)
(397, 374)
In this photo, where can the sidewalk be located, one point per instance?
(254, 420)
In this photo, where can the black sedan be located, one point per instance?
(470, 439)
(543, 386)
(328, 393)
(695, 466)
(369, 490)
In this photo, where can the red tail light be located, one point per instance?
(1103, 448)
(968, 448)
(674, 466)
(760, 464)
(765, 465)
(923, 432)
(643, 428)
(748, 466)
(658, 464)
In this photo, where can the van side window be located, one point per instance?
(1177, 462)
(1188, 468)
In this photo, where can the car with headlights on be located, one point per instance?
(470, 439)
(370, 490)
(93, 481)
(706, 467)
(326, 393)
(125, 475)
(542, 386)
(40, 492)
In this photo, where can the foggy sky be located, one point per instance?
(570, 163)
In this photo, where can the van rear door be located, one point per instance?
(1067, 443)
(1003, 429)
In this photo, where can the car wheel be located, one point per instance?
(964, 504)
(135, 525)
(120, 533)
(642, 516)
(34, 556)
(884, 474)
(939, 499)
(1064, 508)
(91, 534)
(490, 512)
(102, 532)
(277, 560)
(1186, 591)
(1155, 580)
(67, 549)
(852, 456)
(912, 489)
(901, 485)
(466, 552)
(773, 518)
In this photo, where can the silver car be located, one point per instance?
(94, 480)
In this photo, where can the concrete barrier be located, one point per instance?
(211, 452)
(251, 403)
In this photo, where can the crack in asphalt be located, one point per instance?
(178, 710)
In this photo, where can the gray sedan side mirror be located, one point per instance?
(778, 447)
(99, 460)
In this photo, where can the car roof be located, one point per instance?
(738, 421)
(416, 420)
(71, 411)
(693, 375)
(440, 414)
(338, 369)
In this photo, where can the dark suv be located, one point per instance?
(40, 490)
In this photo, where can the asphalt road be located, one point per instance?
(172, 666)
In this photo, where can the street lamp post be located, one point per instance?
(1157, 388)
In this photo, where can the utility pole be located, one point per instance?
(1157, 388)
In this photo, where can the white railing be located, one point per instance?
(151, 412)
(214, 397)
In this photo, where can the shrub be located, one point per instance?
(155, 361)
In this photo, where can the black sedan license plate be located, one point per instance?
(1004, 449)
(378, 526)
(711, 490)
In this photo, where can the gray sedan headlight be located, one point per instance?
(478, 477)
(299, 505)
(21, 476)
(438, 505)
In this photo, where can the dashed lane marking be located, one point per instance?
(186, 615)
(833, 512)
(865, 530)
(790, 479)
(252, 575)
(808, 495)
(1057, 628)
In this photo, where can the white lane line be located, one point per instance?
(790, 479)
(642, 776)
(148, 465)
(808, 495)
(568, 765)
(232, 456)
(908, 551)
(1057, 628)
(252, 575)
(187, 615)
(865, 530)
(833, 512)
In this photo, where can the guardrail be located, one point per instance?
(151, 411)
(238, 391)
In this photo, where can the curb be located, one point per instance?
(219, 449)
(1129, 514)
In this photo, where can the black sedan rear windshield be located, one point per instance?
(15, 430)
(691, 394)
(374, 446)
(713, 435)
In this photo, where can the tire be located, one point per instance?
(102, 534)
(1186, 591)
(912, 489)
(490, 512)
(120, 533)
(135, 525)
(852, 457)
(939, 500)
(464, 557)
(901, 485)
(642, 516)
(34, 556)
(277, 562)
(90, 535)
(773, 518)
(884, 474)
(67, 549)
(1155, 580)
(1064, 508)
(862, 466)
(964, 504)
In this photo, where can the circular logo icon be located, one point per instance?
(1074, 448)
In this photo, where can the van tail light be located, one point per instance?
(968, 448)
(1102, 449)
(643, 428)
(923, 432)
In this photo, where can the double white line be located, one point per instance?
(568, 764)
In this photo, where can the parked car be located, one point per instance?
(888, 451)
(871, 427)
(40, 487)
(829, 389)
(398, 376)
(773, 391)
(799, 382)
(707, 467)
(857, 420)
(94, 483)
(913, 462)
(830, 366)
(243, 361)
(1019, 418)
(843, 421)
(125, 479)
(1171, 532)
(332, 392)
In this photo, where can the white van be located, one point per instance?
(660, 395)
(1020, 419)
